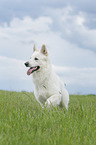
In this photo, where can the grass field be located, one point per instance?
(24, 122)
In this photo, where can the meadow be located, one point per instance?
(24, 122)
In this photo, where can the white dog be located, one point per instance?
(48, 88)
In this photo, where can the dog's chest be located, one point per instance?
(41, 87)
(42, 93)
(43, 90)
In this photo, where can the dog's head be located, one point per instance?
(38, 60)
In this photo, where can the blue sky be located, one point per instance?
(68, 28)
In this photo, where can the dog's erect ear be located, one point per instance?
(44, 50)
(34, 48)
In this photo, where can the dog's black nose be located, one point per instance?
(26, 64)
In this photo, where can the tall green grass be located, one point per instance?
(24, 122)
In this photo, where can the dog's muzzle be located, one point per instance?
(31, 69)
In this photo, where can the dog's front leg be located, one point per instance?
(53, 100)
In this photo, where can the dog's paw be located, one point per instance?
(48, 103)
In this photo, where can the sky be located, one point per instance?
(68, 28)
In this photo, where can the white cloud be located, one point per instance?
(22, 28)
(75, 75)
(13, 75)
(18, 37)
(13, 72)
(62, 31)
(73, 27)
(78, 80)
(11, 69)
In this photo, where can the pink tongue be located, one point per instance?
(30, 71)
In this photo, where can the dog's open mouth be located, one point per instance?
(32, 69)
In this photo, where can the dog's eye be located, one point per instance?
(35, 58)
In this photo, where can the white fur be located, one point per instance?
(48, 88)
